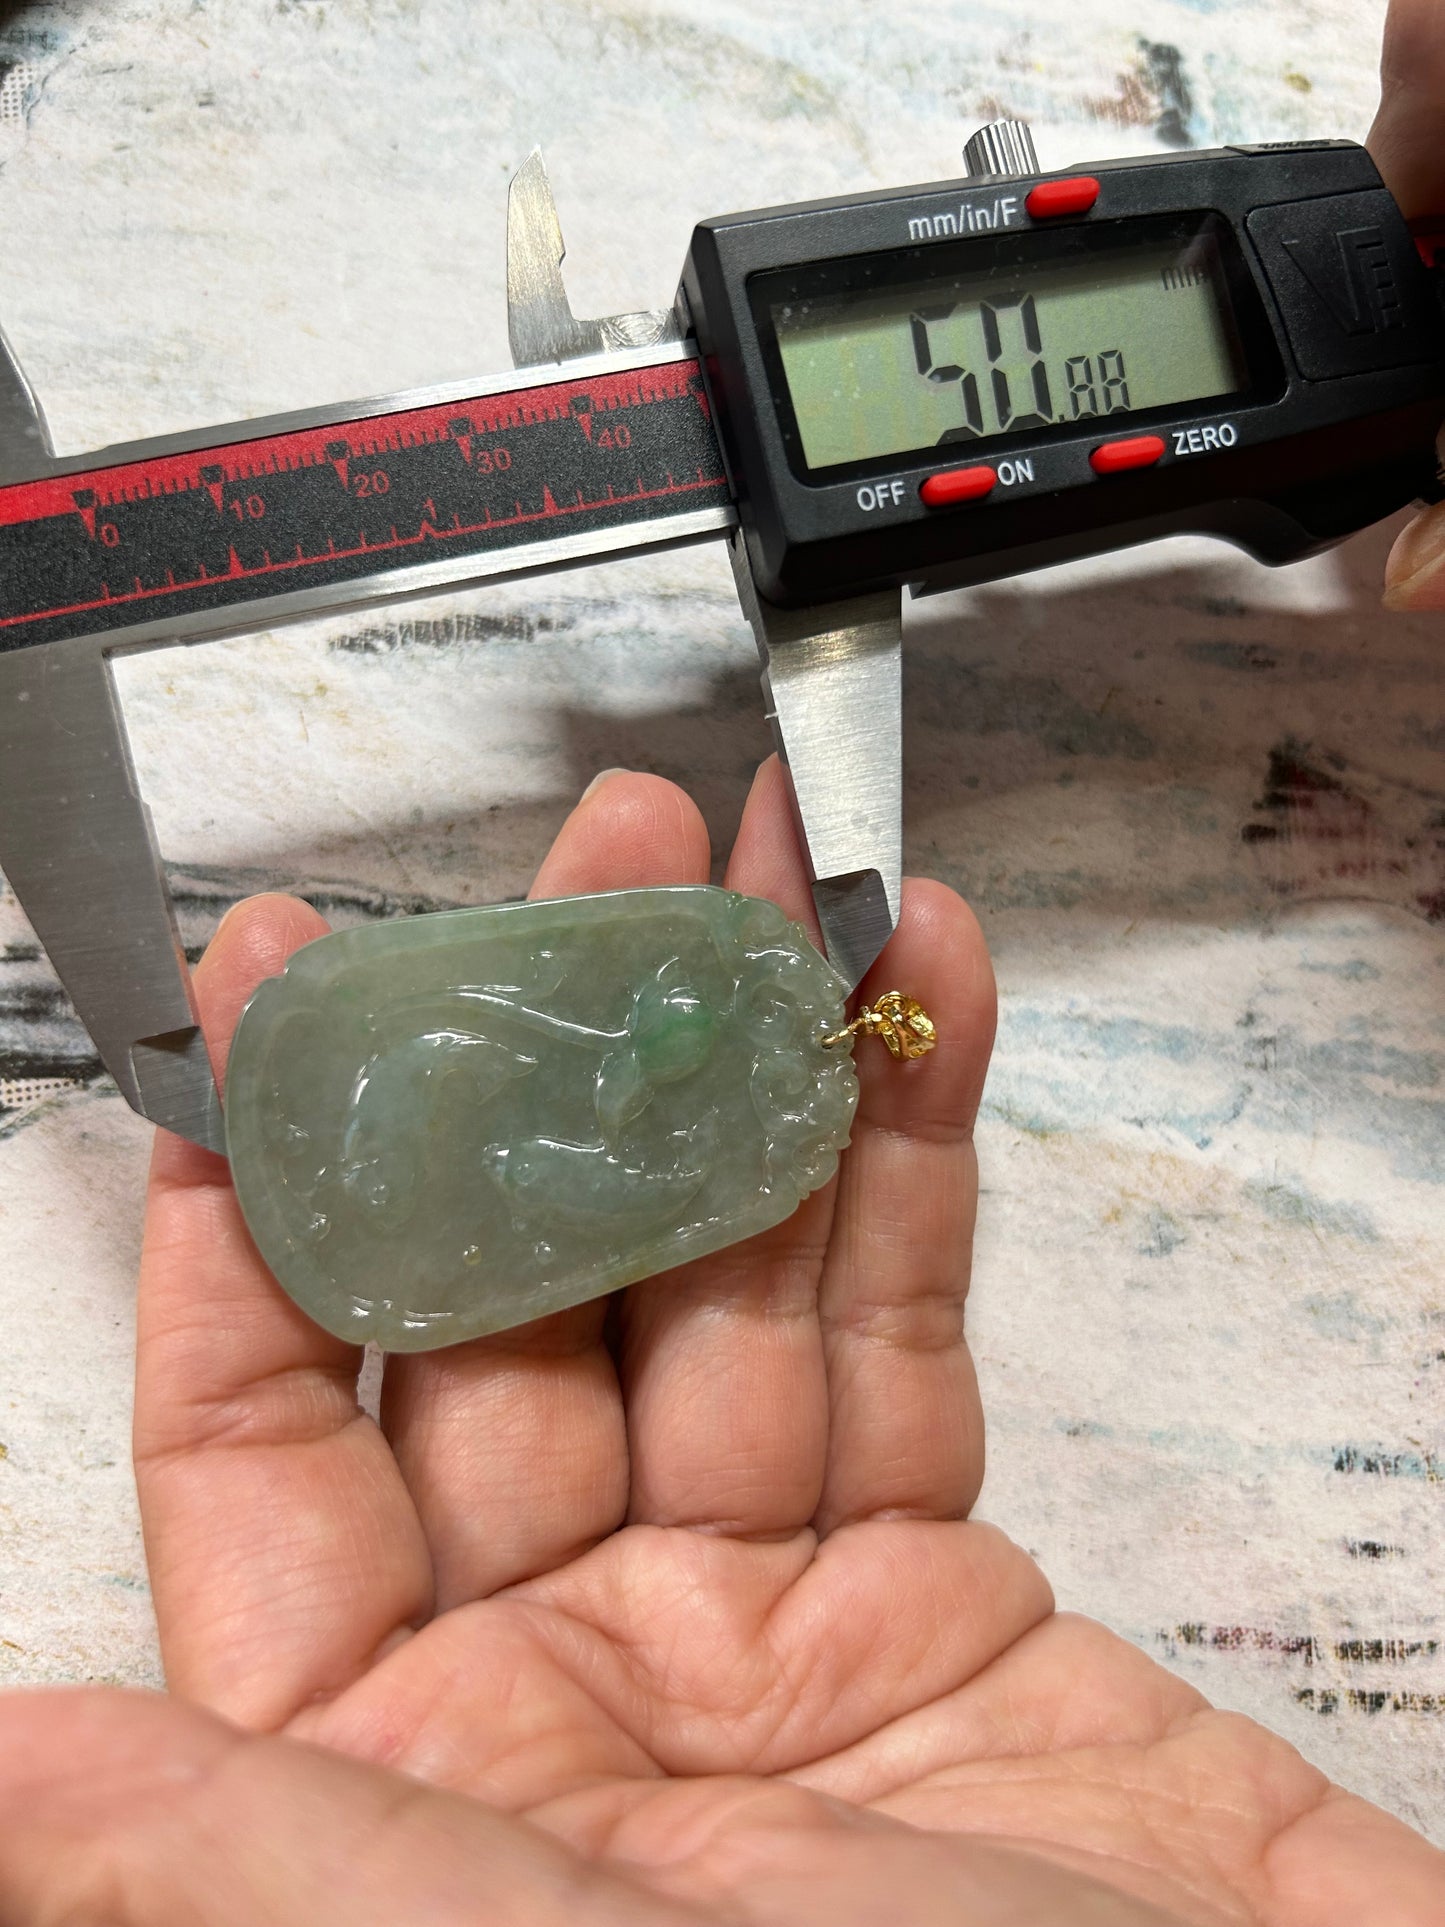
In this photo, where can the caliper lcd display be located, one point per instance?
(957, 352)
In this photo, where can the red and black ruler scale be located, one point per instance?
(174, 534)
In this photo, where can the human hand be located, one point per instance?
(1406, 141)
(662, 1610)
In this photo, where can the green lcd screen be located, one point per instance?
(968, 357)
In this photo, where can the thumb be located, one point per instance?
(1415, 572)
(1406, 138)
(133, 1809)
(1408, 144)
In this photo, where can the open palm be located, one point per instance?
(666, 1609)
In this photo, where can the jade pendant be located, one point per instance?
(449, 1124)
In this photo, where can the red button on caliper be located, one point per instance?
(1050, 199)
(1139, 451)
(957, 485)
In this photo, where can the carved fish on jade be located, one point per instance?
(450, 1124)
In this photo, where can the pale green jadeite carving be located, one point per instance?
(447, 1125)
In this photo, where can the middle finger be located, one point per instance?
(722, 1359)
(514, 1446)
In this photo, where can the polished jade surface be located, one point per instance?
(446, 1125)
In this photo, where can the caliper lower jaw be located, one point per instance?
(833, 678)
(77, 848)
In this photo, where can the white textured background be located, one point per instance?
(1200, 808)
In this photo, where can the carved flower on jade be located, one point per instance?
(450, 1124)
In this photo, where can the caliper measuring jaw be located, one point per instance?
(78, 850)
(76, 840)
(833, 681)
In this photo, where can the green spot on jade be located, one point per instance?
(448, 1125)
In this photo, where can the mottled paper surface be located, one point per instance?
(1198, 807)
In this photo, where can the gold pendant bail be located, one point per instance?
(902, 1022)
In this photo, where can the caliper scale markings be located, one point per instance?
(103, 548)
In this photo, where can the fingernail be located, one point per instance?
(602, 776)
(1415, 572)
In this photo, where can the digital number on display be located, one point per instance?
(966, 358)
(1014, 352)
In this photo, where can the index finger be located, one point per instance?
(1405, 139)
(283, 1546)
(1405, 142)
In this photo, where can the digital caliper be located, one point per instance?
(922, 388)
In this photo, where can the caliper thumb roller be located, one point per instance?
(920, 388)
